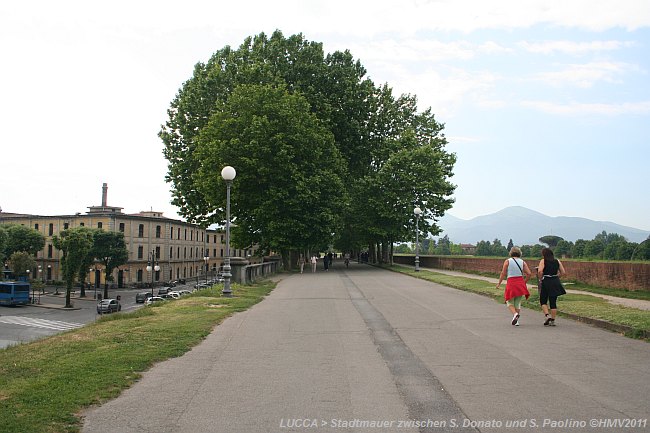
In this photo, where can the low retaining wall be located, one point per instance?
(615, 275)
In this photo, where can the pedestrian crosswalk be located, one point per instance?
(40, 323)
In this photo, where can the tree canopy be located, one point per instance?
(322, 154)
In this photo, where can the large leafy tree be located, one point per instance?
(358, 133)
(110, 249)
(75, 244)
(22, 263)
(23, 239)
(288, 188)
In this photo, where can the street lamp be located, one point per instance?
(152, 265)
(417, 211)
(205, 268)
(228, 173)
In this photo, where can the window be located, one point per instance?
(221, 238)
(158, 230)
(171, 253)
(191, 235)
(141, 231)
(214, 252)
(197, 251)
(140, 252)
(99, 225)
(191, 252)
(178, 252)
(221, 252)
(65, 226)
(139, 275)
(179, 233)
(35, 226)
(51, 229)
(158, 252)
(122, 227)
(82, 224)
(185, 234)
(185, 252)
(171, 233)
(49, 251)
(215, 239)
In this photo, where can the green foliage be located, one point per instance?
(21, 262)
(322, 155)
(110, 249)
(550, 240)
(75, 244)
(403, 249)
(19, 238)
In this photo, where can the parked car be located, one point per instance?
(164, 290)
(153, 299)
(184, 292)
(140, 298)
(176, 295)
(108, 306)
(167, 296)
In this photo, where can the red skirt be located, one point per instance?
(515, 286)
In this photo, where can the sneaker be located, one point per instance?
(515, 319)
(552, 322)
(517, 324)
(548, 321)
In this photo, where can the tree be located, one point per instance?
(274, 140)
(22, 263)
(594, 249)
(563, 248)
(23, 239)
(110, 249)
(374, 157)
(3, 242)
(578, 249)
(498, 249)
(403, 249)
(550, 240)
(75, 244)
(483, 248)
(444, 246)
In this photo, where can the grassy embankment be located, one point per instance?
(46, 383)
(635, 322)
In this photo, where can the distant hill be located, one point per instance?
(525, 227)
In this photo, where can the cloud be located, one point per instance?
(586, 109)
(571, 47)
(586, 75)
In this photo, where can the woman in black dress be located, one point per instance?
(549, 272)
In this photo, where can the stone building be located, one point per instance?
(181, 250)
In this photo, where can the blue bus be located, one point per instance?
(14, 293)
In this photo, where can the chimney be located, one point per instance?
(104, 194)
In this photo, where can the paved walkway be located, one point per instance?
(369, 350)
(626, 302)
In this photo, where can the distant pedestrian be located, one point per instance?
(330, 259)
(314, 260)
(549, 272)
(301, 262)
(326, 262)
(517, 273)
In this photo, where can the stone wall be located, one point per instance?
(616, 275)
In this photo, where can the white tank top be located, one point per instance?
(513, 269)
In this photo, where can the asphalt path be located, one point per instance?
(368, 350)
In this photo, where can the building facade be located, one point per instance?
(183, 251)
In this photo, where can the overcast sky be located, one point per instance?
(546, 103)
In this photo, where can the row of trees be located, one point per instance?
(324, 157)
(605, 246)
(81, 247)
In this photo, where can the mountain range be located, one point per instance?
(525, 226)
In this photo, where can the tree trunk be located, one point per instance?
(68, 290)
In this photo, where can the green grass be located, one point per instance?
(587, 306)
(45, 384)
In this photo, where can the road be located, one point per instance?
(32, 322)
(368, 350)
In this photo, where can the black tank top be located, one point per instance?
(551, 268)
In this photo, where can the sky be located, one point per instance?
(545, 103)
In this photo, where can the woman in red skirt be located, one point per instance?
(517, 273)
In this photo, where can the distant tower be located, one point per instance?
(104, 195)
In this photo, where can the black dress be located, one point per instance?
(551, 284)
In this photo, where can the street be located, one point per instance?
(27, 323)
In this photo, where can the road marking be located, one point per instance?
(40, 323)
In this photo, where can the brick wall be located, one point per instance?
(618, 275)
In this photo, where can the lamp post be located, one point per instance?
(417, 211)
(228, 174)
(152, 265)
(205, 268)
